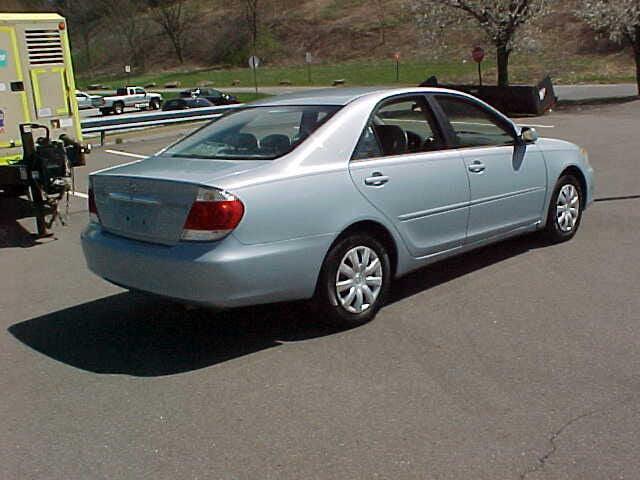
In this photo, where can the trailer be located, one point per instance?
(37, 94)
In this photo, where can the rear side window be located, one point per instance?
(473, 125)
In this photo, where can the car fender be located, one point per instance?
(321, 205)
(559, 156)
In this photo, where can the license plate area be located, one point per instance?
(137, 219)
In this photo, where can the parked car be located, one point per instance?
(186, 103)
(133, 97)
(329, 195)
(86, 100)
(214, 96)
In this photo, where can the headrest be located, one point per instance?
(276, 143)
(393, 139)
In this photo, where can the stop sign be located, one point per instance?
(477, 54)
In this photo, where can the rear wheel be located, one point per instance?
(118, 108)
(565, 211)
(354, 281)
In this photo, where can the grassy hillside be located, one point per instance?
(353, 40)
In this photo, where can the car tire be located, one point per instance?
(565, 210)
(154, 104)
(354, 281)
(118, 108)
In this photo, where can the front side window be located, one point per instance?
(398, 127)
(140, 91)
(259, 133)
(473, 125)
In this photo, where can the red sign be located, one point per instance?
(477, 54)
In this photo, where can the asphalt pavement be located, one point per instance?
(516, 361)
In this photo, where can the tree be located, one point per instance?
(251, 17)
(175, 18)
(618, 19)
(84, 19)
(128, 23)
(499, 19)
(381, 14)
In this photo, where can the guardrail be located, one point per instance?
(128, 121)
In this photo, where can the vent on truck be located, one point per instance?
(44, 47)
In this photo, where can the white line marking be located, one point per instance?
(537, 126)
(79, 194)
(126, 154)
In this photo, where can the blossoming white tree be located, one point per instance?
(618, 19)
(500, 20)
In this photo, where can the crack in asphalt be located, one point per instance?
(541, 461)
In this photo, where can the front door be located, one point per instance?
(507, 177)
(14, 108)
(400, 166)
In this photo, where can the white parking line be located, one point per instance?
(126, 154)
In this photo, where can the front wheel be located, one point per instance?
(354, 281)
(154, 104)
(565, 211)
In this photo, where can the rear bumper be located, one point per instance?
(222, 274)
(590, 186)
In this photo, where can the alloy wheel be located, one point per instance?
(359, 279)
(567, 208)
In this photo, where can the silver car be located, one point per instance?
(329, 195)
(86, 101)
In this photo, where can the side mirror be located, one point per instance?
(529, 135)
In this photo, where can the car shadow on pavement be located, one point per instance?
(140, 335)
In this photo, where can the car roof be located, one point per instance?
(322, 96)
(343, 96)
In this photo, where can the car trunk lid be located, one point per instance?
(150, 200)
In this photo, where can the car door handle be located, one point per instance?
(477, 167)
(376, 179)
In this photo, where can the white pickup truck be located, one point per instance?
(130, 97)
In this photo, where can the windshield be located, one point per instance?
(259, 133)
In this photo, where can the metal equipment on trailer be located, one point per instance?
(37, 93)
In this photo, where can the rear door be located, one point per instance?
(507, 177)
(401, 165)
(14, 108)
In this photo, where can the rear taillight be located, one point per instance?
(213, 215)
(93, 210)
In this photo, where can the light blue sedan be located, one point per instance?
(329, 195)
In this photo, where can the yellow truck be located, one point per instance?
(37, 94)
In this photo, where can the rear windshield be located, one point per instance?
(258, 133)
